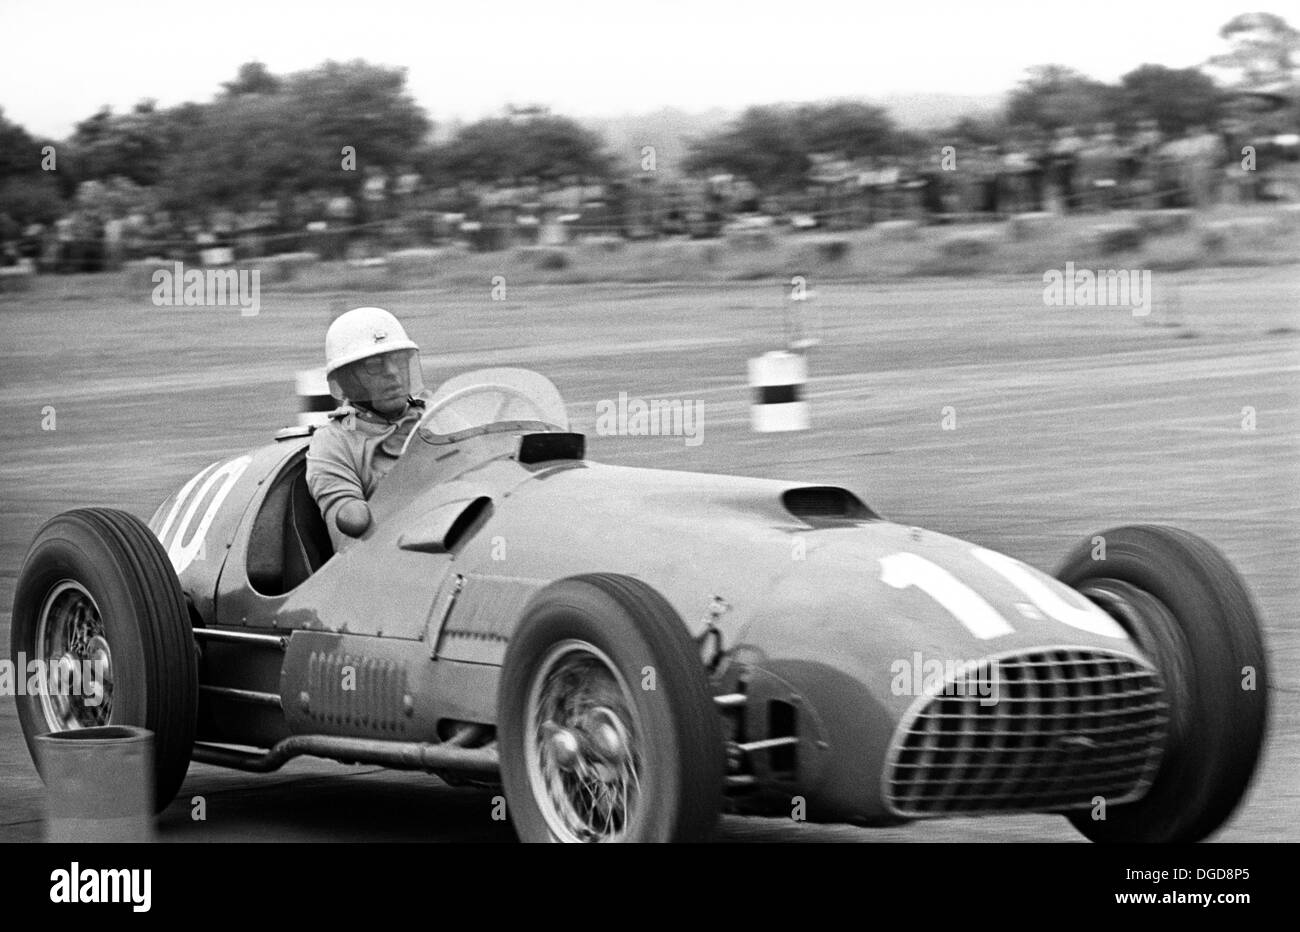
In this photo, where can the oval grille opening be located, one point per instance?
(1066, 726)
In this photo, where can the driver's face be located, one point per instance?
(382, 381)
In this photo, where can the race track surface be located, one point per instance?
(1068, 421)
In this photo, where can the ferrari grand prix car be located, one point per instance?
(629, 653)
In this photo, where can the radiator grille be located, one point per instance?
(1066, 726)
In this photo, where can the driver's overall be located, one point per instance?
(350, 455)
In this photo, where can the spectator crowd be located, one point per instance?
(1071, 170)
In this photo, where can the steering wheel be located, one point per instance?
(507, 392)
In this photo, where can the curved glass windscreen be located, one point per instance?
(490, 396)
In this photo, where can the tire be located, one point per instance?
(575, 708)
(107, 565)
(1186, 607)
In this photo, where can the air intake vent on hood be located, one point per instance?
(826, 503)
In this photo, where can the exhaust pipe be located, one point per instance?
(398, 755)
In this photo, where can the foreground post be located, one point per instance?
(99, 784)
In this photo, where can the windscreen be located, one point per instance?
(489, 396)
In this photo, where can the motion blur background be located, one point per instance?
(1117, 107)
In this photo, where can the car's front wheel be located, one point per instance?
(99, 611)
(1186, 607)
(607, 728)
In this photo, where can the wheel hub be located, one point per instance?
(584, 760)
(564, 747)
(606, 735)
(73, 653)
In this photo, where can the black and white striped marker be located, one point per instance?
(777, 380)
(314, 399)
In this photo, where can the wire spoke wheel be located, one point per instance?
(607, 729)
(584, 757)
(74, 661)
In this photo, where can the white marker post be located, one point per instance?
(777, 380)
(217, 255)
(314, 399)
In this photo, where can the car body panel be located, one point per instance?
(203, 520)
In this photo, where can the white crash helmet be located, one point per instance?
(359, 334)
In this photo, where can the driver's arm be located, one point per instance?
(335, 483)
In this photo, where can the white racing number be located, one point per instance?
(1051, 601)
(981, 619)
(901, 570)
(180, 552)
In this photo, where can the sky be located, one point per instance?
(63, 59)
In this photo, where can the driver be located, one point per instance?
(374, 369)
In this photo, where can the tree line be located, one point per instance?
(269, 136)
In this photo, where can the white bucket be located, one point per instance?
(99, 783)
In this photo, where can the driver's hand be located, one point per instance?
(353, 518)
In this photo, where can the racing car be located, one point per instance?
(628, 653)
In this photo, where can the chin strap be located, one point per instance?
(365, 406)
(411, 402)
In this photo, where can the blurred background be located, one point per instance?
(259, 165)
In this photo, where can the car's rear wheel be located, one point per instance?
(607, 728)
(99, 608)
(1186, 607)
